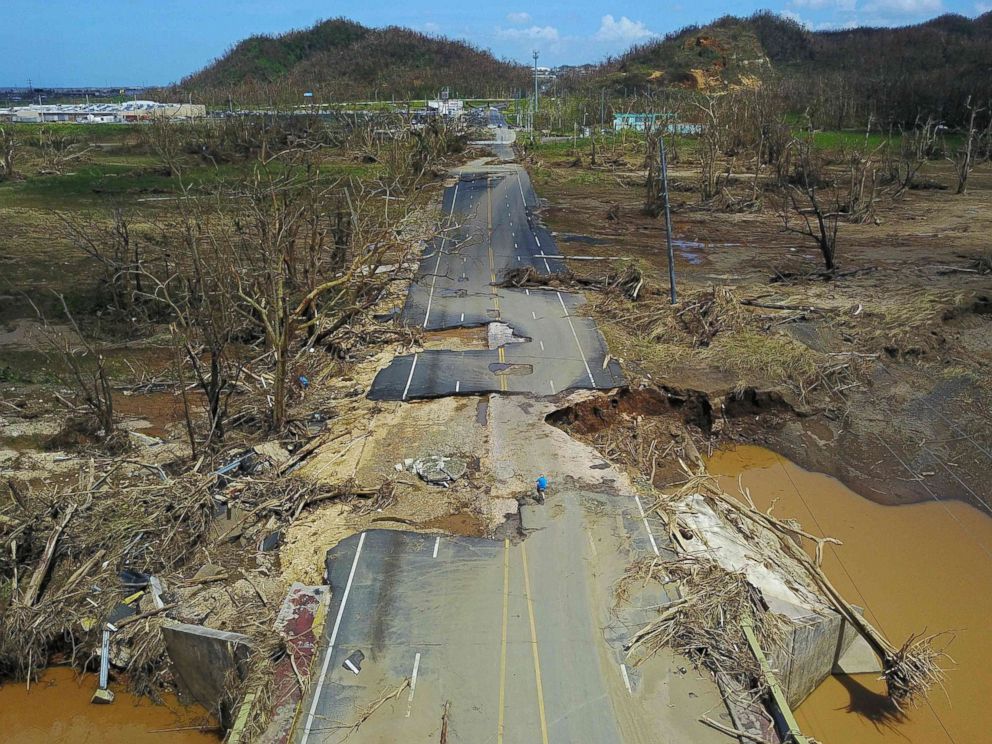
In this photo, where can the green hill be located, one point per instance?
(896, 73)
(342, 60)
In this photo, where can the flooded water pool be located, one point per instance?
(919, 568)
(159, 410)
(57, 710)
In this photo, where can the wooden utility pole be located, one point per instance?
(668, 215)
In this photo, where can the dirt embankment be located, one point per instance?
(878, 376)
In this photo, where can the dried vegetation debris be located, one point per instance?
(626, 281)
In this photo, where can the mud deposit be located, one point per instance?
(923, 567)
(57, 710)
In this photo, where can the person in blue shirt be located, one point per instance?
(542, 486)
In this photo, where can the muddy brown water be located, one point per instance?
(159, 409)
(57, 710)
(921, 567)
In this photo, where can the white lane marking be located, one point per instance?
(413, 684)
(410, 378)
(518, 257)
(576, 337)
(537, 240)
(542, 345)
(462, 318)
(547, 266)
(458, 386)
(330, 645)
(520, 186)
(644, 517)
(515, 244)
(440, 252)
(626, 679)
(527, 292)
(552, 382)
(533, 315)
(437, 543)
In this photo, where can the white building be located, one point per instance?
(98, 113)
(452, 107)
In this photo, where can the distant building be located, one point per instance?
(574, 70)
(452, 107)
(101, 113)
(645, 122)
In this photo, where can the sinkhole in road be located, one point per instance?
(509, 368)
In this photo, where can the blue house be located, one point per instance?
(644, 122)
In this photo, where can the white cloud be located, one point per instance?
(432, 28)
(536, 33)
(518, 17)
(622, 30)
(905, 7)
(845, 5)
(797, 18)
(982, 8)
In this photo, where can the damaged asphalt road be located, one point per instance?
(514, 640)
(491, 231)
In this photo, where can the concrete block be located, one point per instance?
(205, 661)
(858, 659)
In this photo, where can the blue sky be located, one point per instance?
(151, 42)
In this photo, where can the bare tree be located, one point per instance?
(88, 369)
(964, 158)
(58, 149)
(711, 140)
(166, 140)
(862, 192)
(8, 152)
(812, 207)
(916, 147)
(280, 218)
(113, 247)
(202, 300)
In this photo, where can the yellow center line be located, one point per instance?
(502, 649)
(533, 640)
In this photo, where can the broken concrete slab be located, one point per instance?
(500, 334)
(204, 661)
(300, 622)
(440, 470)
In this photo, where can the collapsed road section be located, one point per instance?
(490, 231)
